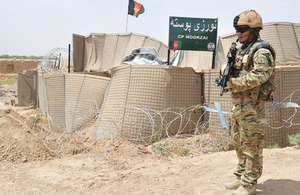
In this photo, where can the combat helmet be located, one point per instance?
(249, 18)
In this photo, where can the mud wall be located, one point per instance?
(17, 65)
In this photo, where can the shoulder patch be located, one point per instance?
(261, 59)
(264, 56)
(269, 59)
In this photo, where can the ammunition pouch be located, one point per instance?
(267, 90)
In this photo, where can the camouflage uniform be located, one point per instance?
(251, 86)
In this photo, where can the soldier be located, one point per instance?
(251, 84)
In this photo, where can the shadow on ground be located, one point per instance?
(279, 187)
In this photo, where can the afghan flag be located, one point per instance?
(177, 45)
(135, 8)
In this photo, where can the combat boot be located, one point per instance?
(245, 190)
(234, 184)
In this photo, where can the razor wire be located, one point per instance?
(102, 139)
(62, 140)
(291, 103)
(55, 60)
(160, 128)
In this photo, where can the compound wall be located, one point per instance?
(17, 65)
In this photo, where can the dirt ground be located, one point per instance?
(27, 166)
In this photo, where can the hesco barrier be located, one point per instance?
(99, 52)
(142, 102)
(27, 88)
(51, 89)
(145, 102)
(17, 65)
(83, 96)
(70, 100)
(286, 121)
(211, 96)
(280, 122)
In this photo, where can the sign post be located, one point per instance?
(198, 34)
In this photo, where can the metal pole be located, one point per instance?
(213, 59)
(127, 18)
(127, 23)
(58, 66)
(69, 59)
(168, 63)
(281, 114)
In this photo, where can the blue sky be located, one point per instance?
(34, 27)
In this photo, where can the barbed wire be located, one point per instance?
(286, 120)
(174, 131)
(55, 60)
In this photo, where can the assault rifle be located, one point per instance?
(222, 81)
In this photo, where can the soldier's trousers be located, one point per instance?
(247, 136)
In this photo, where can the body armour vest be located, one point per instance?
(244, 63)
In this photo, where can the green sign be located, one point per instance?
(198, 34)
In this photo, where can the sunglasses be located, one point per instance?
(242, 29)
